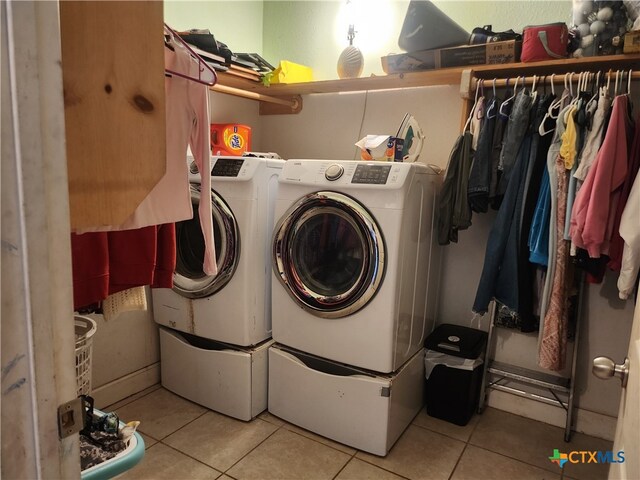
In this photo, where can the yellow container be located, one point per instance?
(289, 72)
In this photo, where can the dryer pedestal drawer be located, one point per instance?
(228, 379)
(355, 407)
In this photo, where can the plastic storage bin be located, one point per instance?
(453, 369)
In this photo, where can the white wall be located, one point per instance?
(236, 23)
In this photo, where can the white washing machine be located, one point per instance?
(233, 306)
(355, 260)
(215, 330)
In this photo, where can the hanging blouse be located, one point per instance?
(630, 232)
(187, 113)
(596, 202)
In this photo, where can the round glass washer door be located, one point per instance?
(329, 254)
(189, 279)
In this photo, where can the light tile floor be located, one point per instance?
(187, 441)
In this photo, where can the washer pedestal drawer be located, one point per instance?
(228, 379)
(362, 409)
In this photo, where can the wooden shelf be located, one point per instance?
(447, 76)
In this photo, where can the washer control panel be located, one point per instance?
(333, 172)
(227, 167)
(371, 174)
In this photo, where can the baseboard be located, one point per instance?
(126, 386)
(585, 421)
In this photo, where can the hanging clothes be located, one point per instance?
(539, 233)
(595, 136)
(501, 127)
(499, 278)
(455, 212)
(630, 233)
(553, 345)
(536, 166)
(595, 206)
(481, 168)
(518, 123)
(552, 156)
(187, 114)
(538, 241)
(617, 243)
(104, 263)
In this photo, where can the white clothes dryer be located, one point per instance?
(233, 306)
(355, 260)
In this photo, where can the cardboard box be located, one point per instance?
(632, 42)
(484, 54)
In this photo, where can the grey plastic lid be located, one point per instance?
(426, 27)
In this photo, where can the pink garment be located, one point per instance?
(187, 113)
(592, 217)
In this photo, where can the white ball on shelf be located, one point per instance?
(597, 27)
(605, 14)
(584, 30)
(586, 41)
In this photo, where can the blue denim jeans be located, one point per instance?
(516, 129)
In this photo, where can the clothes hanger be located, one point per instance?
(206, 74)
(554, 106)
(534, 92)
(506, 92)
(479, 112)
(510, 99)
(596, 87)
(557, 104)
(629, 82)
(473, 108)
(493, 103)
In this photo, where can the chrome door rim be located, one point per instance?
(228, 252)
(372, 271)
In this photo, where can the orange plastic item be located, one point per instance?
(230, 139)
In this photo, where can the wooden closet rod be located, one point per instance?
(558, 79)
(293, 103)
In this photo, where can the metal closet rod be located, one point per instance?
(293, 104)
(558, 78)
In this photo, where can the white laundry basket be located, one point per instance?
(85, 327)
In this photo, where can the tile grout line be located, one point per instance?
(318, 441)
(246, 454)
(464, 449)
(159, 386)
(180, 428)
(189, 456)
(444, 434)
(378, 466)
(345, 465)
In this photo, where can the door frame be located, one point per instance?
(38, 340)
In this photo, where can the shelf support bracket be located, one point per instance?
(289, 105)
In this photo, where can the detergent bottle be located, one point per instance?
(230, 139)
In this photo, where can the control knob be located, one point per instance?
(333, 172)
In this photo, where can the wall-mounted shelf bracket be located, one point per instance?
(291, 104)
